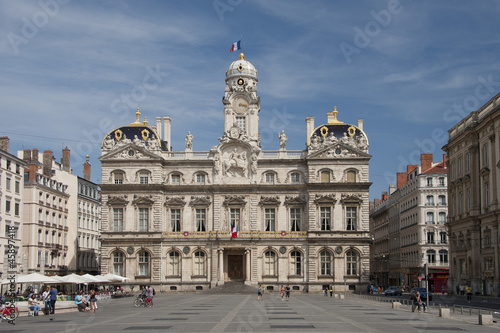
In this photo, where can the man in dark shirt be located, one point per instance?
(53, 298)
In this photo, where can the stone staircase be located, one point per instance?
(232, 287)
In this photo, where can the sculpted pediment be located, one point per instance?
(274, 201)
(200, 201)
(129, 151)
(234, 200)
(290, 201)
(174, 201)
(117, 200)
(337, 150)
(325, 199)
(351, 198)
(143, 200)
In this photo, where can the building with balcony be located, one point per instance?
(89, 224)
(409, 228)
(473, 212)
(192, 220)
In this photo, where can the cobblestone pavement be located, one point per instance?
(227, 312)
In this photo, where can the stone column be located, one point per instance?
(247, 270)
(221, 265)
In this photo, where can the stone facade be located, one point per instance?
(192, 220)
(473, 150)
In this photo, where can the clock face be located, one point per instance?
(240, 105)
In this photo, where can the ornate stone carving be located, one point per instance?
(351, 198)
(235, 165)
(174, 201)
(117, 200)
(143, 200)
(325, 198)
(269, 201)
(234, 200)
(291, 201)
(200, 201)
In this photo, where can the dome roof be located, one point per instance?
(241, 67)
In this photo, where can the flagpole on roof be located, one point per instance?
(241, 44)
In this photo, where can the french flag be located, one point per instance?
(236, 46)
(234, 231)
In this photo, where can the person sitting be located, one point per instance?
(82, 306)
(419, 303)
(33, 304)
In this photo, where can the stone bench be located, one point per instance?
(485, 319)
(444, 313)
(396, 305)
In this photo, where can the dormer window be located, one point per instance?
(118, 177)
(269, 178)
(295, 178)
(143, 178)
(200, 179)
(325, 176)
(176, 179)
(351, 176)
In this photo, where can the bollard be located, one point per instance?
(470, 311)
(485, 320)
(444, 313)
(341, 296)
(462, 309)
(453, 308)
(396, 305)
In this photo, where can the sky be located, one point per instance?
(71, 71)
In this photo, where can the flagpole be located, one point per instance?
(241, 43)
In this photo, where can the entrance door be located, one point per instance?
(235, 267)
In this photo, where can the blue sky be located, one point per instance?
(70, 71)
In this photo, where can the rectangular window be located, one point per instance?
(469, 202)
(235, 218)
(443, 238)
(461, 202)
(269, 178)
(485, 154)
(18, 187)
(430, 238)
(431, 257)
(443, 256)
(7, 206)
(351, 218)
(175, 220)
(295, 178)
(143, 178)
(294, 219)
(176, 179)
(118, 178)
(16, 209)
(487, 194)
(200, 179)
(143, 263)
(453, 170)
(270, 219)
(143, 219)
(199, 263)
(460, 167)
(467, 162)
(201, 220)
(441, 181)
(429, 182)
(241, 123)
(117, 219)
(326, 216)
(7, 183)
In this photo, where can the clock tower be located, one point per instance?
(241, 103)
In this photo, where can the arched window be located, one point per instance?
(430, 218)
(173, 265)
(270, 263)
(442, 218)
(351, 262)
(143, 263)
(269, 178)
(199, 264)
(443, 256)
(295, 178)
(326, 263)
(118, 263)
(295, 263)
(118, 177)
(430, 200)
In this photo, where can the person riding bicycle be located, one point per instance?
(144, 293)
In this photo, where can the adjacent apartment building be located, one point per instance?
(473, 213)
(192, 220)
(409, 230)
(11, 210)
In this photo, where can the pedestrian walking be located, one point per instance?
(260, 293)
(283, 293)
(151, 294)
(53, 299)
(93, 301)
(468, 291)
(287, 291)
(331, 291)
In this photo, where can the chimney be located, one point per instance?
(34, 157)
(86, 169)
(65, 161)
(385, 196)
(360, 124)
(402, 178)
(27, 156)
(410, 168)
(376, 202)
(426, 161)
(444, 161)
(392, 188)
(166, 131)
(4, 143)
(158, 127)
(309, 129)
(47, 163)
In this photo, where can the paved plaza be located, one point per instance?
(208, 312)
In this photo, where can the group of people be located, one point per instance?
(465, 290)
(48, 298)
(84, 305)
(329, 289)
(285, 293)
(148, 292)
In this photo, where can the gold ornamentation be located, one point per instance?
(240, 67)
(324, 131)
(118, 135)
(145, 134)
(351, 130)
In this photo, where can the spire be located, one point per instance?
(332, 117)
(137, 121)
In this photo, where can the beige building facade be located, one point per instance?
(474, 182)
(193, 220)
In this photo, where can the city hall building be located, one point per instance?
(193, 220)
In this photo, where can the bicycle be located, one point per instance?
(142, 301)
(8, 313)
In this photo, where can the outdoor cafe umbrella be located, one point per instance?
(73, 279)
(115, 278)
(97, 278)
(32, 278)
